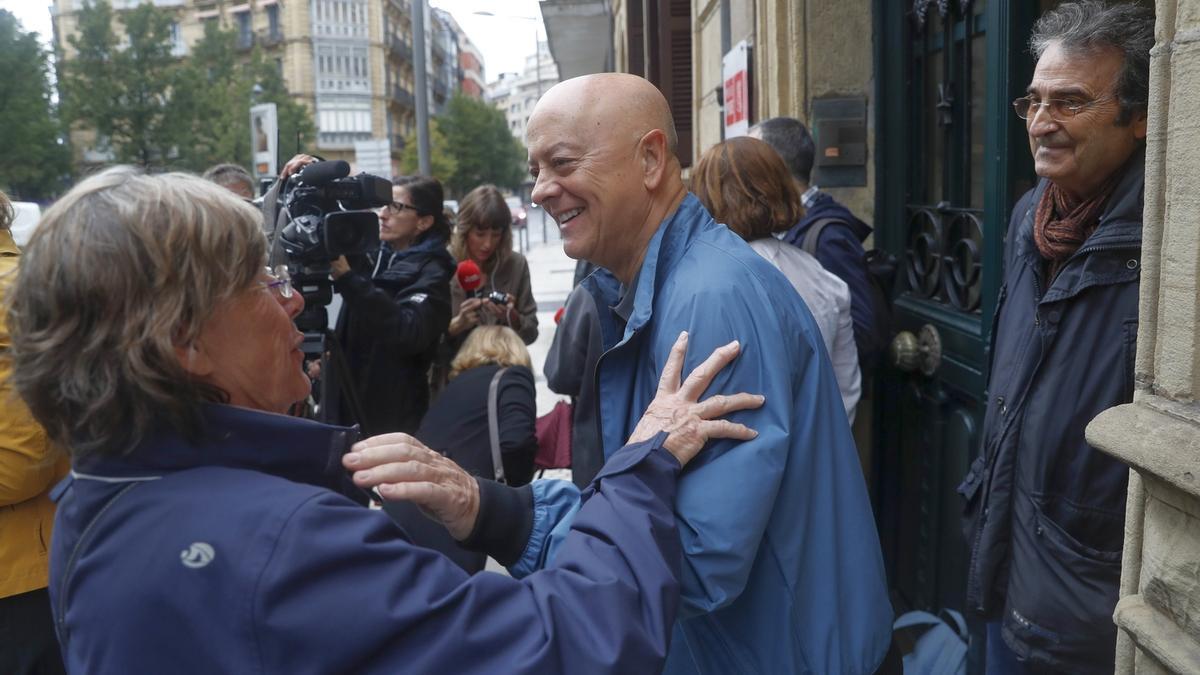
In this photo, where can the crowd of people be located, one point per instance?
(715, 351)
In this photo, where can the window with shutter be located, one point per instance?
(668, 62)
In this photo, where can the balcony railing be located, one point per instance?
(269, 38)
(439, 52)
(401, 48)
(403, 96)
(440, 89)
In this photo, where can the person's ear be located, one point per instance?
(1139, 125)
(655, 157)
(424, 223)
(193, 358)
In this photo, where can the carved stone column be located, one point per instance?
(1158, 434)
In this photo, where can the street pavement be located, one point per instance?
(550, 275)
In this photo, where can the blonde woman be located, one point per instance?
(457, 426)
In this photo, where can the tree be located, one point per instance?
(442, 164)
(122, 87)
(217, 89)
(157, 110)
(35, 160)
(478, 139)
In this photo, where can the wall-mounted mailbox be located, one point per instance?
(839, 128)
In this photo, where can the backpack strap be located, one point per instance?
(809, 243)
(494, 426)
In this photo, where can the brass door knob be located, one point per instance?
(917, 352)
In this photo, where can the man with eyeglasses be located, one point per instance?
(1044, 510)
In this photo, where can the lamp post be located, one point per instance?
(420, 84)
(537, 59)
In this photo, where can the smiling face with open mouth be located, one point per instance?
(587, 182)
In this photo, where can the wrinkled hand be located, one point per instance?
(677, 408)
(339, 267)
(402, 468)
(295, 164)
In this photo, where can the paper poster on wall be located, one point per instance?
(735, 70)
(264, 134)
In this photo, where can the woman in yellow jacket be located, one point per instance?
(28, 470)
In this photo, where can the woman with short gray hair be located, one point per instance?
(200, 530)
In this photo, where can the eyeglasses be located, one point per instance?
(398, 207)
(1060, 110)
(281, 281)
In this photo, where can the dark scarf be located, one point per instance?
(1062, 223)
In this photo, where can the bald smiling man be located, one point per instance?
(781, 571)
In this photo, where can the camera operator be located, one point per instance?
(396, 306)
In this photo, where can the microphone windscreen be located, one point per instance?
(319, 173)
(469, 276)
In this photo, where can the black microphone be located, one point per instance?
(319, 173)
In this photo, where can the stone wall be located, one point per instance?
(800, 54)
(1158, 434)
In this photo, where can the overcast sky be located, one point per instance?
(504, 40)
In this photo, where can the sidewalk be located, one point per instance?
(550, 275)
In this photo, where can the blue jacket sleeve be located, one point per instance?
(343, 589)
(728, 493)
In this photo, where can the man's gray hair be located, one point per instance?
(226, 175)
(793, 142)
(1088, 26)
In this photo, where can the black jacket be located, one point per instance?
(571, 371)
(457, 426)
(840, 251)
(1045, 511)
(395, 311)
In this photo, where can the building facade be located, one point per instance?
(350, 62)
(517, 93)
(470, 63)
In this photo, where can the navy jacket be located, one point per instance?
(395, 311)
(840, 251)
(1045, 511)
(233, 555)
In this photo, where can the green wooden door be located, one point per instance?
(951, 160)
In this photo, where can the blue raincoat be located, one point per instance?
(782, 571)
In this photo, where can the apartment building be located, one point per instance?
(517, 93)
(348, 61)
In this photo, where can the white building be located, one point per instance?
(516, 94)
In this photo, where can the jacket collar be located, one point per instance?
(296, 449)
(7, 245)
(1121, 222)
(666, 247)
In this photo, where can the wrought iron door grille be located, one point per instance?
(943, 262)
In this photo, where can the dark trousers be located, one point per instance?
(27, 642)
